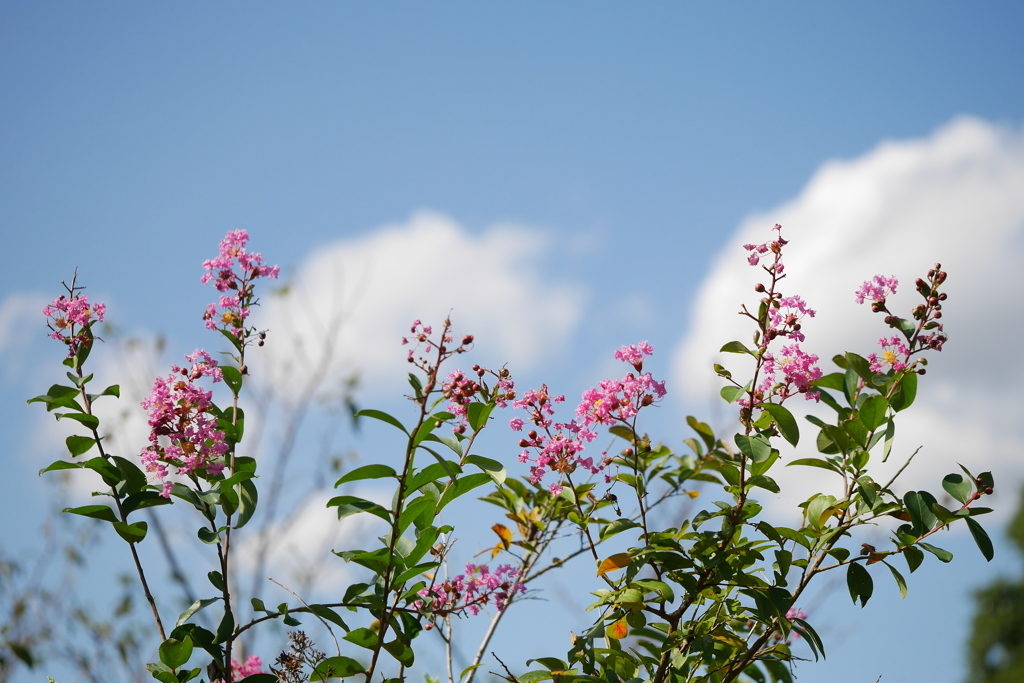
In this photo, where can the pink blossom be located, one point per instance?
(876, 289)
(68, 319)
(236, 286)
(183, 428)
(471, 591)
(799, 371)
(895, 355)
(253, 665)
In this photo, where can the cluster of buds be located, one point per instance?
(183, 429)
(301, 652)
(927, 334)
(236, 288)
(460, 388)
(68, 318)
(779, 317)
(469, 592)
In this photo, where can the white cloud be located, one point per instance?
(361, 295)
(956, 197)
(21, 323)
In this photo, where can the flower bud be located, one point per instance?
(467, 340)
(758, 287)
(988, 491)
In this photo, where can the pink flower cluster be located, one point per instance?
(559, 446)
(798, 369)
(183, 430)
(460, 390)
(470, 591)
(786, 319)
(876, 289)
(236, 287)
(253, 665)
(895, 355)
(65, 314)
(774, 246)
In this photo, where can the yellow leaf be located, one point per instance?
(693, 494)
(616, 561)
(618, 630)
(504, 534)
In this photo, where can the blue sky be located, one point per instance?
(597, 165)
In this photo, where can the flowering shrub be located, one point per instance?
(711, 599)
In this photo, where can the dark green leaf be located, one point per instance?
(705, 432)
(336, 667)
(132, 532)
(363, 637)
(143, 499)
(477, 414)
(325, 612)
(859, 582)
(815, 462)
(366, 472)
(60, 465)
(351, 505)
(919, 505)
(217, 579)
(88, 421)
(134, 479)
(943, 555)
(735, 347)
(756, 447)
(174, 653)
(77, 445)
(900, 581)
(94, 511)
(860, 366)
(233, 378)
(872, 412)
(208, 536)
(494, 469)
(383, 417)
(785, 421)
(981, 538)
(247, 500)
(906, 393)
(400, 651)
(914, 558)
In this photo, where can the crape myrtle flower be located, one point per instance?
(799, 371)
(895, 355)
(876, 289)
(235, 285)
(773, 246)
(471, 591)
(183, 429)
(69, 318)
(558, 447)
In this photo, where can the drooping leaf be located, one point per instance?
(785, 421)
(735, 347)
(375, 471)
(943, 555)
(858, 580)
(132, 532)
(613, 563)
(494, 469)
(94, 511)
(981, 538)
(336, 667)
(383, 417)
(77, 445)
(900, 581)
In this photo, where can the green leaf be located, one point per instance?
(756, 447)
(815, 462)
(383, 417)
(900, 581)
(785, 421)
(494, 469)
(958, 487)
(914, 557)
(143, 499)
(88, 421)
(859, 582)
(860, 366)
(216, 579)
(943, 555)
(906, 393)
(890, 435)
(133, 533)
(174, 653)
(703, 430)
(873, 412)
(325, 612)
(477, 413)
(77, 445)
(60, 465)
(981, 538)
(730, 394)
(233, 378)
(351, 505)
(363, 637)
(464, 485)
(400, 651)
(94, 511)
(247, 500)
(735, 347)
(134, 479)
(366, 472)
(615, 527)
(227, 627)
(336, 667)
(208, 536)
(919, 505)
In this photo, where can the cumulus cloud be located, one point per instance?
(955, 197)
(353, 300)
